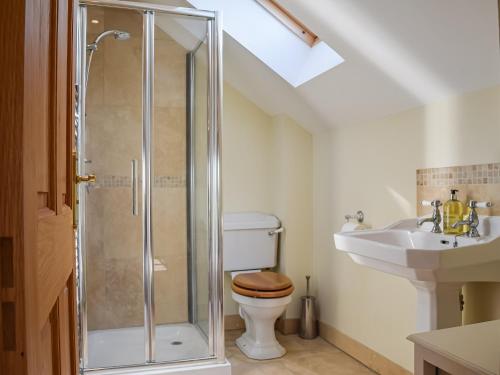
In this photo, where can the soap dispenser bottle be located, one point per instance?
(453, 211)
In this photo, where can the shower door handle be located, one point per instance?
(135, 187)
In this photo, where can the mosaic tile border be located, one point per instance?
(111, 181)
(481, 174)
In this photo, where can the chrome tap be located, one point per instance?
(472, 220)
(435, 218)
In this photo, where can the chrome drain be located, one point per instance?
(176, 343)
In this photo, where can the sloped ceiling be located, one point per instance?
(399, 54)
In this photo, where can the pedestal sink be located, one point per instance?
(430, 262)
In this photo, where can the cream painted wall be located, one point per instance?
(247, 168)
(372, 167)
(267, 167)
(293, 158)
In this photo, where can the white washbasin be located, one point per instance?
(430, 261)
(406, 250)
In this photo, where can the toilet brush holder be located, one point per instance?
(308, 320)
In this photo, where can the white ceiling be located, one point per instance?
(398, 54)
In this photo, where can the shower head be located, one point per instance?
(117, 34)
(121, 35)
(92, 47)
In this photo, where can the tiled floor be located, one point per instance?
(303, 357)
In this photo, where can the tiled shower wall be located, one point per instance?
(475, 182)
(114, 126)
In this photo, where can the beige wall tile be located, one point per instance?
(170, 291)
(123, 72)
(169, 141)
(170, 74)
(124, 293)
(114, 138)
(123, 19)
(169, 222)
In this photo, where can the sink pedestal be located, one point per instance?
(438, 305)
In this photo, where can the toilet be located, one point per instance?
(250, 245)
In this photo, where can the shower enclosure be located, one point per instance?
(148, 175)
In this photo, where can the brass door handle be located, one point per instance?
(86, 178)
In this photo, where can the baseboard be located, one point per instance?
(233, 322)
(370, 358)
(288, 326)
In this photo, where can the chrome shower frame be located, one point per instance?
(214, 44)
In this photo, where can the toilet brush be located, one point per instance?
(308, 323)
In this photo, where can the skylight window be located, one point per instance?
(285, 17)
(275, 37)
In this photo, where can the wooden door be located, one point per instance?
(37, 252)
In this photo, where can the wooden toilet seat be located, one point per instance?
(262, 285)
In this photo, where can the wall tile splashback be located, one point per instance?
(459, 175)
(480, 182)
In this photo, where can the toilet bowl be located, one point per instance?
(251, 245)
(262, 298)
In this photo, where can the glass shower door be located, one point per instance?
(150, 276)
(177, 334)
(198, 193)
(111, 150)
